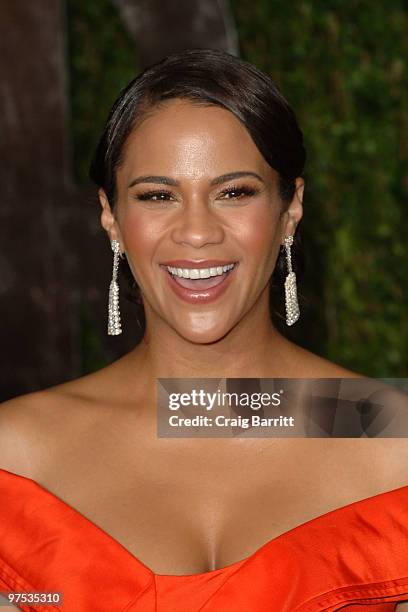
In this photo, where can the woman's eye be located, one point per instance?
(237, 193)
(156, 196)
(232, 193)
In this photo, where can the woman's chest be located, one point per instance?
(191, 510)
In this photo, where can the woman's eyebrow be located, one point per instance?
(162, 180)
(166, 180)
(233, 175)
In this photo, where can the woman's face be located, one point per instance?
(193, 186)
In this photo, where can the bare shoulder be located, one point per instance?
(385, 410)
(305, 364)
(32, 425)
(20, 420)
(379, 395)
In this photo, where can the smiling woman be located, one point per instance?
(172, 234)
(202, 126)
(199, 175)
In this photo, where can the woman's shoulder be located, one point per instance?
(376, 390)
(30, 424)
(48, 401)
(21, 420)
(77, 392)
(303, 363)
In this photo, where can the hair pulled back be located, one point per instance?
(207, 77)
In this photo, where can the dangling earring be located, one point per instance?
(291, 301)
(114, 324)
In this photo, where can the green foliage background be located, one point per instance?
(101, 59)
(342, 66)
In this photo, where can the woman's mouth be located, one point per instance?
(199, 285)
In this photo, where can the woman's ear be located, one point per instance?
(294, 212)
(108, 220)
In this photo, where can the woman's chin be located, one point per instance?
(203, 335)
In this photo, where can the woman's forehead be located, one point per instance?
(185, 137)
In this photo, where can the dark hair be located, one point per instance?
(208, 77)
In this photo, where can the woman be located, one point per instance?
(199, 168)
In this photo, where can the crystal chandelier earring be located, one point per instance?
(114, 324)
(291, 300)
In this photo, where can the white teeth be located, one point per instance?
(195, 273)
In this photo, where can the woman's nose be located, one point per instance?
(197, 226)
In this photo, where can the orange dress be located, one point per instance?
(352, 558)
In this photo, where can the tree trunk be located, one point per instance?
(160, 27)
(34, 171)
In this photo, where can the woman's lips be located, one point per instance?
(202, 290)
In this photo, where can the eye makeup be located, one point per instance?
(161, 195)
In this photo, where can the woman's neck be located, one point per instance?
(258, 351)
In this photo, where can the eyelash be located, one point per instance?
(244, 190)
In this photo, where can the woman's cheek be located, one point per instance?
(259, 231)
(139, 235)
